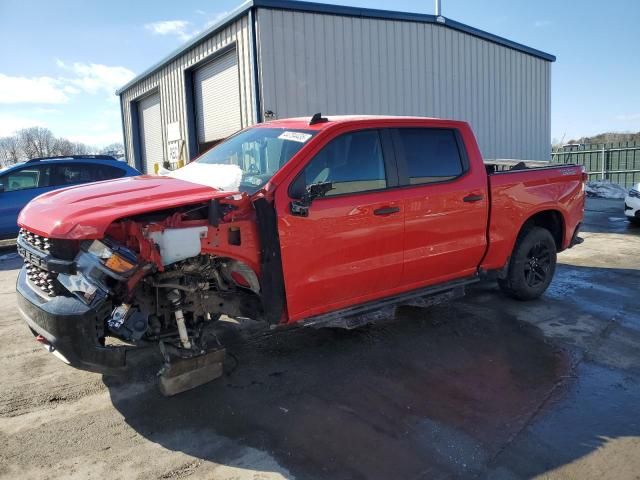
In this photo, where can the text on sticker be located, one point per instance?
(295, 136)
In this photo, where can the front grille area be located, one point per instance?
(42, 279)
(38, 276)
(41, 243)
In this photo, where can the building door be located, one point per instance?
(217, 100)
(150, 129)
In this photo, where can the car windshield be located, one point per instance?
(259, 152)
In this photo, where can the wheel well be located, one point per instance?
(551, 220)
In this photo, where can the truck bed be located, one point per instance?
(501, 165)
(519, 190)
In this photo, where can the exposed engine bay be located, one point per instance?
(172, 305)
(165, 278)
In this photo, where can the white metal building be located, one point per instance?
(286, 58)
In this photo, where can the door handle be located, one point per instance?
(472, 198)
(386, 210)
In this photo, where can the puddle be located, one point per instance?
(395, 388)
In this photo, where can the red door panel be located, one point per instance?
(341, 253)
(445, 237)
(349, 249)
(446, 206)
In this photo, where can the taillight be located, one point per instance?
(585, 176)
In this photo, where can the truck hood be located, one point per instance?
(86, 211)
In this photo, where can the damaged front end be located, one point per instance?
(162, 280)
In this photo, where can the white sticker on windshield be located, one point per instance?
(295, 136)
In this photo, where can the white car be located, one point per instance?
(632, 204)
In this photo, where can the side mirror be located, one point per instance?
(301, 206)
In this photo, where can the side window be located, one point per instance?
(27, 178)
(352, 162)
(431, 154)
(106, 172)
(69, 174)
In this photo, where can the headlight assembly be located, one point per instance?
(119, 260)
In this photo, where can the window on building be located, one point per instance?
(431, 154)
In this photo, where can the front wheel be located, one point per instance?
(532, 265)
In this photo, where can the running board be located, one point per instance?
(183, 374)
(354, 317)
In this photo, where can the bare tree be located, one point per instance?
(115, 149)
(82, 149)
(39, 142)
(10, 151)
(63, 146)
(609, 137)
(36, 142)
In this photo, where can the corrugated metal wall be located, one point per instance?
(170, 82)
(313, 62)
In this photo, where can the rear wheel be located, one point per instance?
(532, 265)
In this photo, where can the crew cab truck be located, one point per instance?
(317, 222)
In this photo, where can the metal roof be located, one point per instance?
(312, 7)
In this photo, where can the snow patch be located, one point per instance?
(605, 189)
(219, 176)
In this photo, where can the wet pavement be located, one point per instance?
(486, 387)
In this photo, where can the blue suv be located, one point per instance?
(21, 183)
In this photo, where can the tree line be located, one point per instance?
(608, 137)
(36, 142)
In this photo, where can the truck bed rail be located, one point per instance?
(498, 166)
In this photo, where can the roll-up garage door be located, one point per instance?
(217, 99)
(150, 132)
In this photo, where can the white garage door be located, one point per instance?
(217, 98)
(150, 132)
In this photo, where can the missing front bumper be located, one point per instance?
(71, 328)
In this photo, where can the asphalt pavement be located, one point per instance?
(485, 387)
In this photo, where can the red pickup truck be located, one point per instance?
(321, 221)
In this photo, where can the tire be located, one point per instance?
(532, 265)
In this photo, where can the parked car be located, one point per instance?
(21, 183)
(319, 223)
(632, 204)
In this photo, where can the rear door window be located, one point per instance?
(352, 162)
(106, 172)
(430, 154)
(69, 174)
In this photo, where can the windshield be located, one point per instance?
(259, 152)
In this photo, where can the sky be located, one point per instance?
(61, 61)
